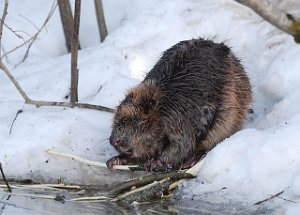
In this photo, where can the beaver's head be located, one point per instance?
(137, 129)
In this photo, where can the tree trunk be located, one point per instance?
(100, 19)
(66, 20)
(74, 54)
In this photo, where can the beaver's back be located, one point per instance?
(205, 95)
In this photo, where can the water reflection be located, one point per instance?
(16, 204)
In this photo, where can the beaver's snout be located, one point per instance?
(121, 145)
(115, 142)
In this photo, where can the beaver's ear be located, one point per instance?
(149, 105)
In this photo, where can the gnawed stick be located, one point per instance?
(155, 190)
(93, 163)
(91, 199)
(193, 171)
(140, 181)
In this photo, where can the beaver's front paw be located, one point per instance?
(152, 163)
(117, 160)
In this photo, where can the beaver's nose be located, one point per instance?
(115, 141)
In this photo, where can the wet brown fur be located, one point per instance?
(195, 96)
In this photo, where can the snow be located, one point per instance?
(260, 160)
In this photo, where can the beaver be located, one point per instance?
(195, 96)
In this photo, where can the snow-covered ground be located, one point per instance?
(260, 160)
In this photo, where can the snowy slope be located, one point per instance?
(261, 159)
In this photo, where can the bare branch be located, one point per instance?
(50, 103)
(13, 31)
(13, 80)
(269, 198)
(74, 53)
(22, 92)
(2, 21)
(34, 37)
(100, 19)
(53, 7)
(267, 10)
(31, 22)
(70, 105)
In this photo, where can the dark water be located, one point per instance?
(15, 204)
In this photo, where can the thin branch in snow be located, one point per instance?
(269, 198)
(267, 10)
(19, 111)
(4, 178)
(14, 81)
(50, 103)
(70, 105)
(288, 200)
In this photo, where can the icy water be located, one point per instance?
(16, 204)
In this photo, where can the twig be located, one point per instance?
(269, 198)
(89, 162)
(3, 176)
(288, 200)
(22, 92)
(31, 22)
(19, 111)
(13, 80)
(267, 10)
(53, 7)
(14, 32)
(49, 103)
(70, 105)
(34, 37)
(2, 21)
(140, 181)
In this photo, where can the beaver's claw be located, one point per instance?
(117, 160)
(152, 163)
